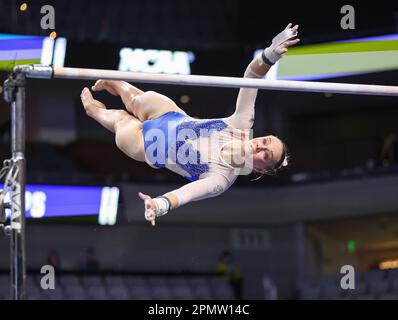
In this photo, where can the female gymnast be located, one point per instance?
(211, 153)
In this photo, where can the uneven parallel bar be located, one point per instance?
(214, 81)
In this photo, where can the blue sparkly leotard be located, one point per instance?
(169, 142)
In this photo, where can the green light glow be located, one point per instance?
(351, 246)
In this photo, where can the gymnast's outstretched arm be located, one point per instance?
(243, 118)
(210, 186)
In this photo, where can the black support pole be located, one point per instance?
(15, 86)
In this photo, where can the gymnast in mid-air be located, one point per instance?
(210, 153)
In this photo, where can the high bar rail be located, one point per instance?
(48, 72)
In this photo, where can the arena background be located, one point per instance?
(282, 237)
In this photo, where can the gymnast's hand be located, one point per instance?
(293, 32)
(281, 43)
(150, 208)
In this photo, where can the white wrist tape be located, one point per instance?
(270, 52)
(163, 206)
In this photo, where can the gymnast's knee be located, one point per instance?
(138, 104)
(134, 103)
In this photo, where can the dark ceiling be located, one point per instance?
(199, 24)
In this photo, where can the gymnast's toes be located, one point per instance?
(89, 102)
(87, 98)
(99, 85)
(108, 85)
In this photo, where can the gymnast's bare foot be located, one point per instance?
(108, 85)
(89, 103)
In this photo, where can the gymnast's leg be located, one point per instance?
(143, 105)
(127, 129)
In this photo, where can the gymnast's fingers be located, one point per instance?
(143, 196)
(290, 43)
(284, 50)
(150, 216)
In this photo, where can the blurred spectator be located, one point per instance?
(5, 131)
(388, 152)
(228, 267)
(90, 263)
(104, 30)
(270, 289)
(53, 259)
(81, 34)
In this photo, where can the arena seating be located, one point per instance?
(374, 284)
(123, 287)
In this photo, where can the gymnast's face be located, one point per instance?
(267, 151)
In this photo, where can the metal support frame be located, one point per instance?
(14, 93)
